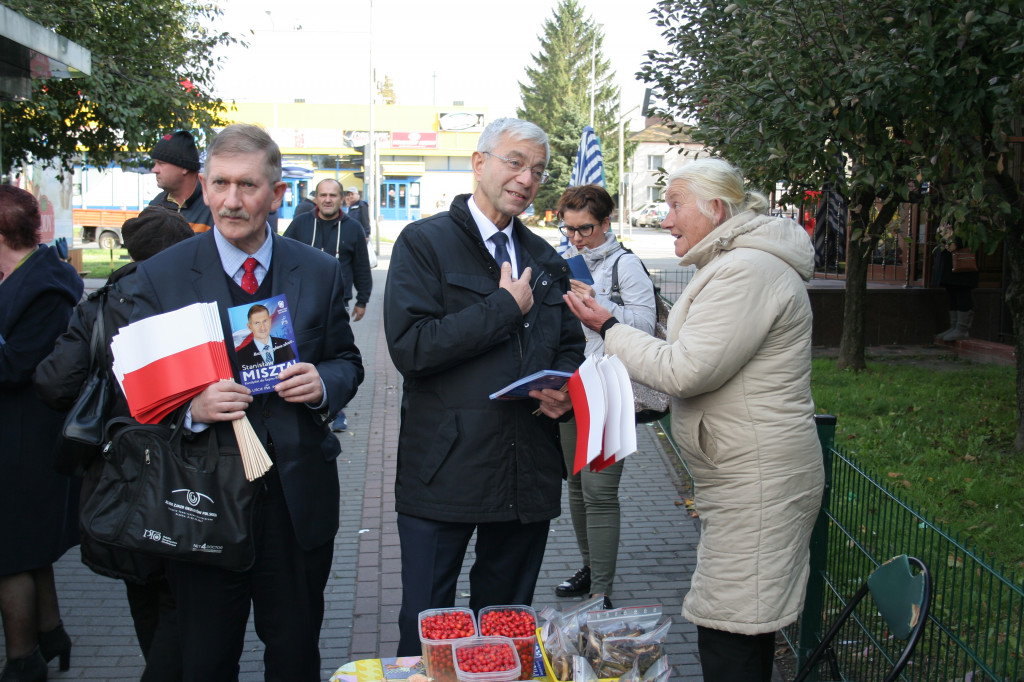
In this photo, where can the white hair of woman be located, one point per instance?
(709, 179)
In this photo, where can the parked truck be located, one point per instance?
(106, 197)
(102, 225)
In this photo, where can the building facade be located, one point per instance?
(423, 153)
(658, 153)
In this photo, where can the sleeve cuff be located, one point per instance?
(609, 323)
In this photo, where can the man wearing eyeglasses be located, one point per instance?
(473, 303)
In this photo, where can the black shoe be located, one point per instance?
(607, 603)
(56, 643)
(578, 584)
(31, 668)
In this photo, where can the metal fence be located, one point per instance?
(670, 283)
(974, 627)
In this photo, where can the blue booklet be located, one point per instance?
(579, 269)
(264, 342)
(538, 381)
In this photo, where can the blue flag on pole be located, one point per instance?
(588, 168)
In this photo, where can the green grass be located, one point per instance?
(940, 434)
(97, 263)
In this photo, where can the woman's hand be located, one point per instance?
(581, 289)
(590, 312)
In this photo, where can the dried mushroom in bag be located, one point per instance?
(631, 621)
(560, 650)
(619, 653)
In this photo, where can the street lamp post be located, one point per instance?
(369, 157)
(593, 71)
(622, 185)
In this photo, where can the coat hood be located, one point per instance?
(781, 237)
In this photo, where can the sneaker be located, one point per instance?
(578, 584)
(339, 423)
(607, 603)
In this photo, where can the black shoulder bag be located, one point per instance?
(650, 405)
(82, 436)
(179, 497)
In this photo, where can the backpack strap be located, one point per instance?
(615, 295)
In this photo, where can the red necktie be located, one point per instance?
(249, 283)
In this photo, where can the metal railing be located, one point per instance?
(975, 626)
(974, 629)
(670, 283)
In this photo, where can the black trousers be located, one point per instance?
(508, 559)
(729, 657)
(155, 616)
(285, 587)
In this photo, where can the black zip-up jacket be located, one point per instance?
(456, 337)
(342, 238)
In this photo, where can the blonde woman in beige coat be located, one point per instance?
(737, 363)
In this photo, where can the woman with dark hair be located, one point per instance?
(584, 213)
(37, 506)
(59, 379)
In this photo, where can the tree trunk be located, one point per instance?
(864, 235)
(1014, 292)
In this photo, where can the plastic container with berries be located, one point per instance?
(486, 659)
(518, 623)
(439, 629)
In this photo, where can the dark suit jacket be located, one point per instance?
(249, 355)
(305, 447)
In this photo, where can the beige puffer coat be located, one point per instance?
(738, 365)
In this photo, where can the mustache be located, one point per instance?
(240, 214)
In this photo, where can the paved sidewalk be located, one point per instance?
(656, 558)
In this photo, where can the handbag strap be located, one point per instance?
(97, 347)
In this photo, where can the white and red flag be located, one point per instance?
(602, 403)
(164, 361)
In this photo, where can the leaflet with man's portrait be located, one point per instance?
(264, 342)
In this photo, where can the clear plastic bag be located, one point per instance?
(621, 653)
(581, 670)
(659, 672)
(625, 622)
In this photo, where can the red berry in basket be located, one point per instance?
(486, 658)
(449, 625)
(508, 623)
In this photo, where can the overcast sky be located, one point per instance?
(435, 52)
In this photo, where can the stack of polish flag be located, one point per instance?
(602, 402)
(164, 361)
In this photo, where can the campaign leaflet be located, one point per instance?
(264, 342)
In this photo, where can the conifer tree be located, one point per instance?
(556, 96)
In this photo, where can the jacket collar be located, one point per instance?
(534, 252)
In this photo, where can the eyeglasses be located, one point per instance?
(517, 166)
(583, 230)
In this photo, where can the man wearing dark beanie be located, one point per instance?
(176, 165)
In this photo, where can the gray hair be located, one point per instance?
(516, 129)
(711, 178)
(244, 138)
